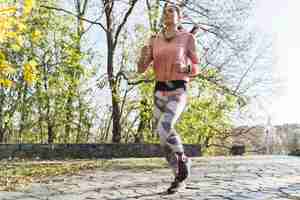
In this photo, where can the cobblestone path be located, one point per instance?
(213, 178)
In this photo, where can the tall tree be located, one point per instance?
(112, 36)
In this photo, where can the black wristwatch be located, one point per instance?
(189, 69)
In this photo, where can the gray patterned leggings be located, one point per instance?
(167, 110)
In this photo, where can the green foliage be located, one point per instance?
(42, 71)
(46, 94)
(207, 118)
(146, 107)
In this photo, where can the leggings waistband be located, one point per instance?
(170, 85)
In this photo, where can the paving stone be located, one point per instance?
(11, 195)
(213, 178)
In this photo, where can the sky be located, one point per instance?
(279, 18)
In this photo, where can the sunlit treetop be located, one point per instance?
(13, 18)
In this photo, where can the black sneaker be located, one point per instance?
(184, 167)
(176, 186)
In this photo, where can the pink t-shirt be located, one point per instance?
(169, 57)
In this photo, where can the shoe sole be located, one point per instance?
(175, 191)
(176, 187)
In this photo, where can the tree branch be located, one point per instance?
(246, 72)
(123, 23)
(71, 13)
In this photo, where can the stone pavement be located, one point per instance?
(215, 178)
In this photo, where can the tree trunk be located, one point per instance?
(2, 131)
(144, 122)
(50, 133)
(68, 119)
(116, 137)
(80, 121)
(24, 114)
(116, 132)
(139, 137)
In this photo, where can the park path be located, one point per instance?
(213, 178)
